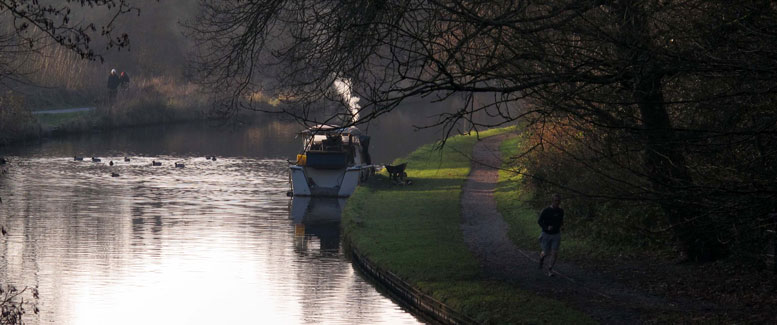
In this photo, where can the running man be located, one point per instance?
(551, 219)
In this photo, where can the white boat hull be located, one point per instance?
(306, 181)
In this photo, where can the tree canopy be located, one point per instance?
(664, 102)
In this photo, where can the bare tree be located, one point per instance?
(27, 26)
(685, 88)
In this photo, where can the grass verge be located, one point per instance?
(414, 232)
(54, 121)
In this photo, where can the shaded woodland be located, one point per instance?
(655, 117)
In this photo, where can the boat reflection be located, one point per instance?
(316, 219)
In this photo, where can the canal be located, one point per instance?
(211, 243)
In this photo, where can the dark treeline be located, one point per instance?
(657, 117)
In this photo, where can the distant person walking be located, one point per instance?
(113, 86)
(551, 219)
(124, 80)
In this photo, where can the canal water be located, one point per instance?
(211, 243)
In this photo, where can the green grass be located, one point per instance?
(59, 106)
(414, 232)
(57, 120)
(494, 302)
(127, 113)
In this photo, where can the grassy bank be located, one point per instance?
(414, 232)
(105, 119)
(56, 121)
(147, 102)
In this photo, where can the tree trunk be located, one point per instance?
(663, 157)
(669, 175)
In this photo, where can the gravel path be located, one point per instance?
(485, 232)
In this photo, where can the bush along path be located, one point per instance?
(485, 233)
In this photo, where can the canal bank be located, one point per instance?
(148, 104)
(466, 238)
(414, 232)
(90, 119)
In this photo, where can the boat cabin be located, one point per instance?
(329, 147)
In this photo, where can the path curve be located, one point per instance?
(485, 232)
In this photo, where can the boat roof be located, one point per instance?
(325, 128)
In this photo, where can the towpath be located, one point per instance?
(64, 110)
(485, 232)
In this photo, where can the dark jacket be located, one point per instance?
(551, 217)
(113, 81)
(124, 79)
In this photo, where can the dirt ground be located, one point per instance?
(623, 292)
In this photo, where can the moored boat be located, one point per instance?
(334, 160)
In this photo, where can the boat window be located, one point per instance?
(331, 142)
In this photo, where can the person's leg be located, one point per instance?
(544, 247)
(553, 254)
(555, 243)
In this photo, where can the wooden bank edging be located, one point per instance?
(420, 303)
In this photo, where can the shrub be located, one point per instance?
(16, 121)
(13, 306)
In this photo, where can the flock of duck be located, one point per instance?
(127, 159)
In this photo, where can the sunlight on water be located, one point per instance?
(210, 243)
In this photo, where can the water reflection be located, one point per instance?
(391, 138)
(316, 219)
(210, 243)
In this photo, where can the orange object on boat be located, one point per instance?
(301, 160)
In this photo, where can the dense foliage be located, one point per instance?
(662, 104)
